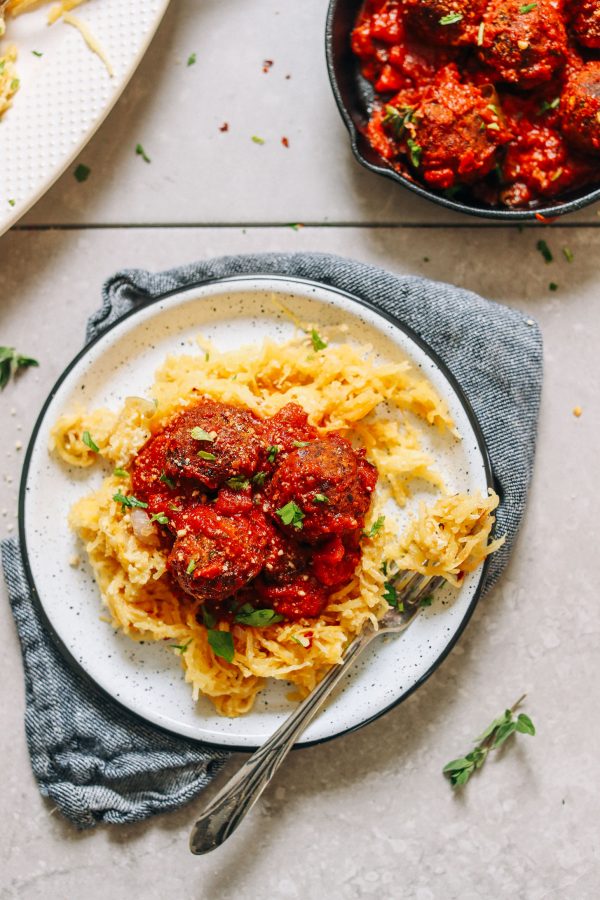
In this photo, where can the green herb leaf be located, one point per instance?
(11, 362)
(452, 18)
(259, 479)
(527, 8)
(257, 140)
(191, 59)
(546, 105)
(291, 514)
(11, 202)
(89, 442)
(568, 254)
(414, 152)
(375, 527)
(457, 765)
(272, 453)
(301, 641)
(545, 250)
(130, 501)
(525, 725)
(82, 172)
(166, 480)
(37, 53)
(221, 643)
(391, 595)
(317, 341)
(397, 119)
(300, 443)
(120, 473)
(160, 517)
(259, 618)
(553, 286)
(238, 483)
(425, 602)
(320, 498)
(181, 648)
(208, 618)
(204, 455)
(141, 152)
(199, 434)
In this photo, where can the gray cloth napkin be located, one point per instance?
(97, 762)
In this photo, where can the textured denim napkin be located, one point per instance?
(96, 762)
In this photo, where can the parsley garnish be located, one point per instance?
(130, 501)
(452, 18)
(257, 140)
(190, 567)
(208, 618)
(160, 518)
(141, 152)
(82, 172)
(317, 341)
(259, 618)
(426, 601)
(199, 434)
(120, 473)
(221, 643)
(238, 483)
(568, 254)
(191, 59)
(375, 527)
(11, 202)
(527, 8)
(414, 152)
(181, 648)
(460, 770)
(553, 286)
(391, 595)
(89, 442)
(545, 250)
(291, 514)
(204, 455)
(300, 443)
(259, 479)
(300, 640)
(37, 53)
(545, 105)
(166, 480)
(11, 362)
(272, 453)
(320, 498)
(397, 118)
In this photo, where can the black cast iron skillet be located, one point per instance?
(354, 95)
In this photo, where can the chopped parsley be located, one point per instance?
(181, 648)
(301, 443)
(397, 118)
(375, 527)
(291, 514)
(160, 518)
(452, 18)
(545, 250)
(259, 479)
(259, 618)
(317, 341)
(208, 618)
(414, 152)
(221, 643)
(11, 362)
(11, 202)
(238, 483)
(546, 105)
(527, 8)
(553, 286)
(272, 453)
(130, 501)
(199, 434)
(320, 498)
(391, 595)
(300, 639)
(191, 61)
(141, 152)
(82, 173)
(426, 601)
(568, 254)
(120, 473)
(204, 455)
(190, 567)
(89, 442)
(37, 53)
(166, 480)
(257, 140)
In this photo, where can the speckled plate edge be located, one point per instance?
(288, 282)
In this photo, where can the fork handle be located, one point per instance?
(225, 812)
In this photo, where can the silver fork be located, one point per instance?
(227, 809)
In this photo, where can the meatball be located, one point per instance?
(321, 489)
(300, 597)
(580, 108)
(586, 22)
(523, 43)
(453, 134)
(214, 556)
(285, 560)
(448, 23)
(287, 428)
(213, 442)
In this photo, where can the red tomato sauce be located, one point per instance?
(497, 100)
(254, 511)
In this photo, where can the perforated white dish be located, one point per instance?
(66, 92)
(147, 678)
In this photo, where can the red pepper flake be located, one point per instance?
(267, 63)
(544, 220)
(285, 142)
(224, 126)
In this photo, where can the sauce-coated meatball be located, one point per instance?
(580, 108)
(212, 442)
(328, 482)
(586, 22)
(524, 43)
(214, 556)
(447, 23)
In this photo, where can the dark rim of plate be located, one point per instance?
(353, 95)
(235, 281)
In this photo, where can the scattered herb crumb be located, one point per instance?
(141, 152)
(191, 61)
(296, 226)
(317, 341)
(82, 172)
(11, 202)
(527, 8)
(11, 362)
(90, 442)
(451, 19)
(257, 140)
(375, 527)
(553, 286)
(37, 53)
(545, 250)
(568, 254)
(460, 770)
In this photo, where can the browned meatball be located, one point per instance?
(321, 489)
(524, 43)
(586, 22)
(214, 556)
(213, 442)
(580, 108)
(447, 23)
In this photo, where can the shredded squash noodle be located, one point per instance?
(384, 407)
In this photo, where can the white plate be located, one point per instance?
(66, 93)
(147, 679)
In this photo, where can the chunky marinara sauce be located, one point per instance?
(255, 510)
(499, 99)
